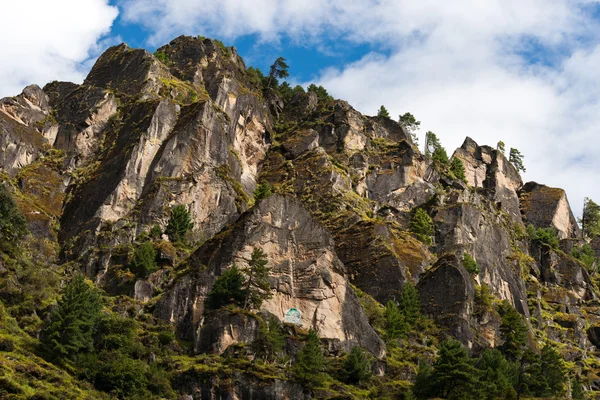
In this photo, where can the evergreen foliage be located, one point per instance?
(262, 191)
(395, 323)
(70, 327)
(409, 122)
(421, 225)
(271, 339)
(470, 264)
(554, 372)
(309, 365)
(501, 147)
(357, 367)
(495, 375)
(590, 220)
(258, 285)
(586, 255)
(513, 332)
(321, 92)
(180, 223)
(409, 304)
(516, 159)
(423, 388)
(454, 375)
(156, 232)
(543, 235)
(13, 225)
(228, 289)
(278, 70)
(577, 392)
(383, 112)
(143, 262)
(457, 168)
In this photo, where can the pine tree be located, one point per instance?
(513, 332)
(395, 323)
(410, 123)
(495, 375)
(70, 327)
(143, 262)
(516, 159)
(262, 191)
(13, 225)
(356, 368)
(258, 285)
(409, 304)
(500, 147)
(590, 220)
(458, 169)
(278, 70)
(453, 371)
(383, 112)
(228, 289)
(308, 368)
(180, 223)
(423, 388)
(554, 371)
(421, 225)
(271, 339)
(470, 264)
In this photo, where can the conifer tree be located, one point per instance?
(395, 324)
(278, 70)
(309, 365)
(228, 289)
(180, 223)
(453, 371)
(470, 264)
(383, 112)
(590, 220)
(410, 123)
(500, 146)
(70, 327)
(513, 332)
(409, 304)
(143, 262)
(421, 225)
(554, 371)
(262, 191)
(270, 340)
(356, 368)
(458, 169)
(258, 285)
(495, 375)
(13, 225)
(516, 159)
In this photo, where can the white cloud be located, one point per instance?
(45, 40)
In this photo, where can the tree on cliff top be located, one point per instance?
(590, 220)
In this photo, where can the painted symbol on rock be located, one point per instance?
(293, 316)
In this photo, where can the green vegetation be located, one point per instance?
(180, 223)
(516, 159)
(70, 328)
(543, 235)
(434, 149)
(457, 169)
(258, 285)
(262, 191)
(422, 226)
(143, 261)
(470, 264)
(500, 147)
(513, 332)
(12, 223)
(410, 123)
(356, 367)
(278, 70)
(321, 92)
(228, 289)
(400, 318)
(155, 232)
(270, 341)
(590, 220)
(586, 255)
(308, 368)
(383, 112)
(162, 57)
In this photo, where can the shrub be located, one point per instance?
(180, 223)
(156, 232)
(13, 225)
(228, 289)
(271, 339)
(457, 168)
(262, 191)
(470, 264)
(6, 344)
(421, 225)
(162, 57)
(143, 262)
(544, 235)
(585, 254)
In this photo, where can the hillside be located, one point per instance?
(170, 179)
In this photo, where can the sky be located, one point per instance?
(526, 72)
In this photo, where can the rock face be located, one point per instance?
(546, 207)
(97, 168)
(447, 292)
(305, 274)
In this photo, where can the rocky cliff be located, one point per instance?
(98, 168)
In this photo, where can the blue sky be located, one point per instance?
(522, 71)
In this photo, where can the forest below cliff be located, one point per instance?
(182, 226)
